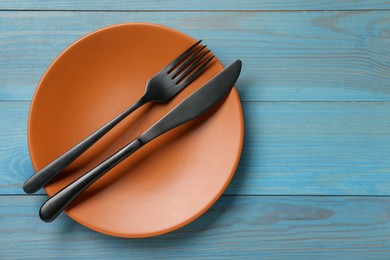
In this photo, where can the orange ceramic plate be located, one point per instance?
(170, 181)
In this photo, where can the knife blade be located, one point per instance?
(193, 106)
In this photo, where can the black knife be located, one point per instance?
(193, 106)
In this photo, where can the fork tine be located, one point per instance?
(181, 57)
(191, 67)
(194, 75)
(187, 62)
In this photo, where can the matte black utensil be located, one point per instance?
(162, 87)
(193, 106)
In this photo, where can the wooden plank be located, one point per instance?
(237, 227)
(287, 56)
(315, 148)
(195, 5)
(340, 148)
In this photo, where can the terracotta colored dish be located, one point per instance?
(166, 184)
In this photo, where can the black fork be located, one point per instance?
(162, 87)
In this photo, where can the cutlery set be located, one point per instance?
(161, 88)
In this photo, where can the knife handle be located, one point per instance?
(56, 204)
(46, 174)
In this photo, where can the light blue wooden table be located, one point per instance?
(314, 178)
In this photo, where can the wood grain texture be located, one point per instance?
(287, 56)
(317, 141)
(234, 228)
(340, 148)
(195, 5)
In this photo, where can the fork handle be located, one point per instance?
(42, 177)
(56, 204)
